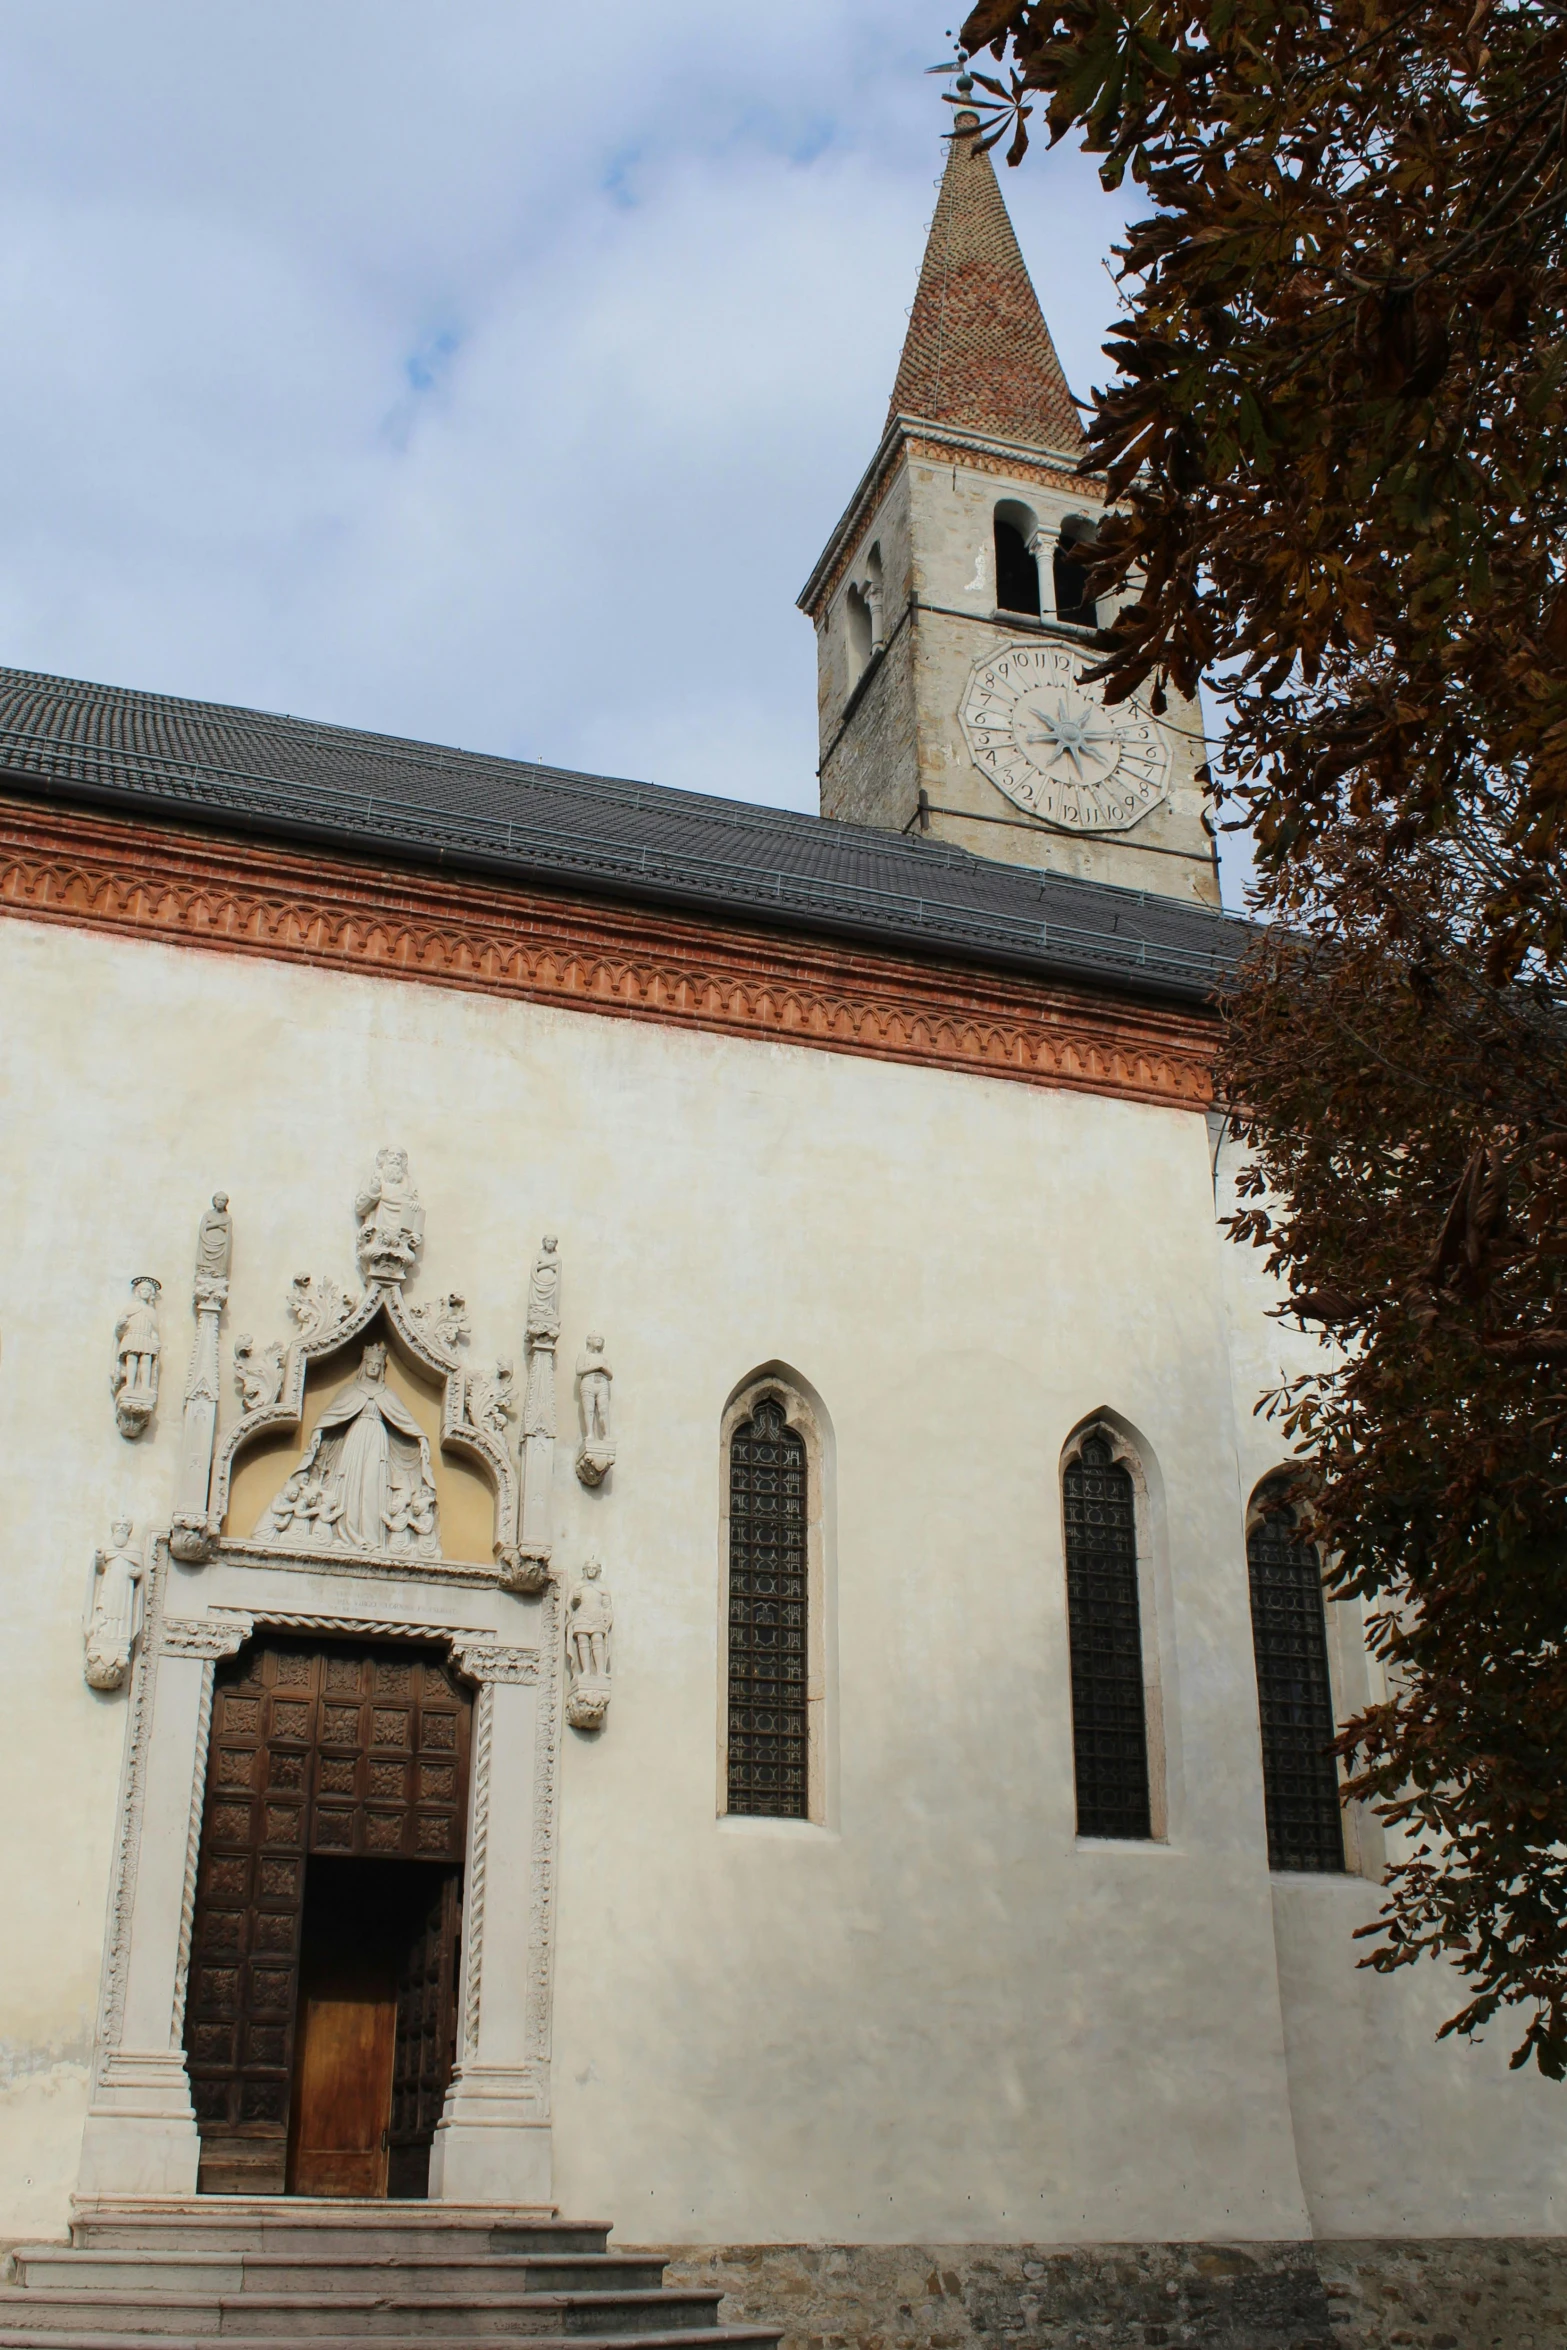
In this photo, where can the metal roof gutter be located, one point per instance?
(767, 897)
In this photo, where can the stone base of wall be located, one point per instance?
(1459, 2294)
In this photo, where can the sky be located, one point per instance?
(419, 368)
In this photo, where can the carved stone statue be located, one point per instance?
(391, 1220)
(596, 1454)
(137, 1347)
(445, 1319)
(192, 1532)
(544, 1292)
(319, 1307)
(215, 1240)
(366, 1483)
(589, 1621)
(527, 1567)
(491, 1401)
(113, 1613)
(259, 1377)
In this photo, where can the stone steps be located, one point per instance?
(116, 2269)
(277, 2223)
(714, 2338)
(277, 2271)
(332, 2311)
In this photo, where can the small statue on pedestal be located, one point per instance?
(214, 1241)
(596, 1453)
(113, 1613)
(589, 1621)
(391, 1220)
(137, 1347)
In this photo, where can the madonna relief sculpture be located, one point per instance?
(365, 1484)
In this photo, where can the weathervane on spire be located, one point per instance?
(963, 86)
(1002, 106)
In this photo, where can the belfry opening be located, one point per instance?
(321, 2020)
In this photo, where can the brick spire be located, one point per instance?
(978, 353)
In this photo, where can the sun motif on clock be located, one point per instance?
(1055, 749)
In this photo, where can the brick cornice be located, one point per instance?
(196, 889)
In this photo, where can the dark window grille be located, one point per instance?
(1294, 1697)
(1109, 1728)
(768, 1768)
(1017, 573)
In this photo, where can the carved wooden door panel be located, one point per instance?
(315, 1749)
(426, 2046)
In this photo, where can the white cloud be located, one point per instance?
(399, 366)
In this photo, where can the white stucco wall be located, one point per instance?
(1398, 2134)
(936, 2015)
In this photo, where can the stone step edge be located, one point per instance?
(595, 2264)
(331, 2212)
(168, 2206)
(348, 2243)
(690, 2338)
(676, 2297)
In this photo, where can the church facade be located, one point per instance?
(642, 1571)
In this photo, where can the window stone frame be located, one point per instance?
(806, 1417)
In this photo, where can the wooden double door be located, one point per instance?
(321, 2016)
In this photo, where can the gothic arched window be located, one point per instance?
(1109, 1718)
(1017, 572)
(1070, 565)
(858, 614)
(1294, 1692)
(768, 1735)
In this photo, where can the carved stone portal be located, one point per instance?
(589, 1622)
(137, 1347)
(596, 1454)
(112, 1617)
(491, 1402)
(444, 1320)
(318, 1306)
(366, 1482)
(259, 1377)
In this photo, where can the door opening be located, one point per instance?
(322, 2007)
(372, 2054)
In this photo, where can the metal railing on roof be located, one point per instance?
(153, 775)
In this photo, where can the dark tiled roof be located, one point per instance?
(978, 353)
(374, 794)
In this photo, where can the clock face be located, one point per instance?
(1055, 749)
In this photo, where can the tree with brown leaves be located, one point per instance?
(1335, 438)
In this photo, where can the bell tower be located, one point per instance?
(953, 624)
